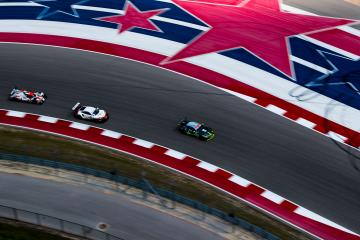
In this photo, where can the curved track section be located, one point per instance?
(89, 207)
(286, 158)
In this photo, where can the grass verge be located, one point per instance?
(35, 144)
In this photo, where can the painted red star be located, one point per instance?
(134, 18)
(259, 26)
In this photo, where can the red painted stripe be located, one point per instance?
(197, 72)
(289, 205)
(339, 39)
(188, 166)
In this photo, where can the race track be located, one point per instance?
(90, 206)
(288, 159)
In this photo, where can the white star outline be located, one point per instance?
(335, 69)
(43, 14)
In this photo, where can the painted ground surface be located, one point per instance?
(297, 62)
(308, 78)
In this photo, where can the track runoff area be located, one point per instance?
(341, 127)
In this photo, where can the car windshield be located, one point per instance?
(194, 125)
(96, 112)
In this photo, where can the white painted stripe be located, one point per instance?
(306, 213)
(272, 196)
(240, 181)
(239, 71)
(347, 29)
(295, 10)
(310, 65)
(79, 126)
(181, 23)
(242, 96)
(111, 134)
(99, 9)
(175, 154)
(337, 137)
(48, 119)
(328, 46)
(143, 143)
(305, 123)
(19, 4)
(16, 114)
(350, 30)
(207, 166)
(276, 109)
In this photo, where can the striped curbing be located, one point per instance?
(237, 186)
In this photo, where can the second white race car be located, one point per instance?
(90, 113)
(22, 95)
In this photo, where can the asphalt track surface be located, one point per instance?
(280, 155)
(273, 152)
(90, 206)
(334, 8)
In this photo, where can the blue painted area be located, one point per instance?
(171, 32)
(52, 7)
(110, 4)
(173, 12)
(343, 81)
(19, 12)
(342, 84)
(308, 51)
(247, 57)
(10, 1)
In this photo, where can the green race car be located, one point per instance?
(196, 129)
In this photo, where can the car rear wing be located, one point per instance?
(76, 106)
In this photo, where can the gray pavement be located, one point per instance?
(88, 206)
(333, 8)
(280, 155)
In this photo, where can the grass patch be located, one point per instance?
(11, 230)
(41, 145)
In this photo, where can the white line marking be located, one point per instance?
(79, 126)
(19, 4)
(307, 213)
(350, 30)
(330, 47)
(310, 65)
(296, 10)
(48, 119)
(305, 123)
(143, 143)
(175, 154)
(242, 96)
(276, 109)
(337, 137)
(240, 181)
(111, 134)
(272, 196)
(207, 166)
(16, 114)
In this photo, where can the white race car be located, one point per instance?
(22, 95)
(90, 113)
